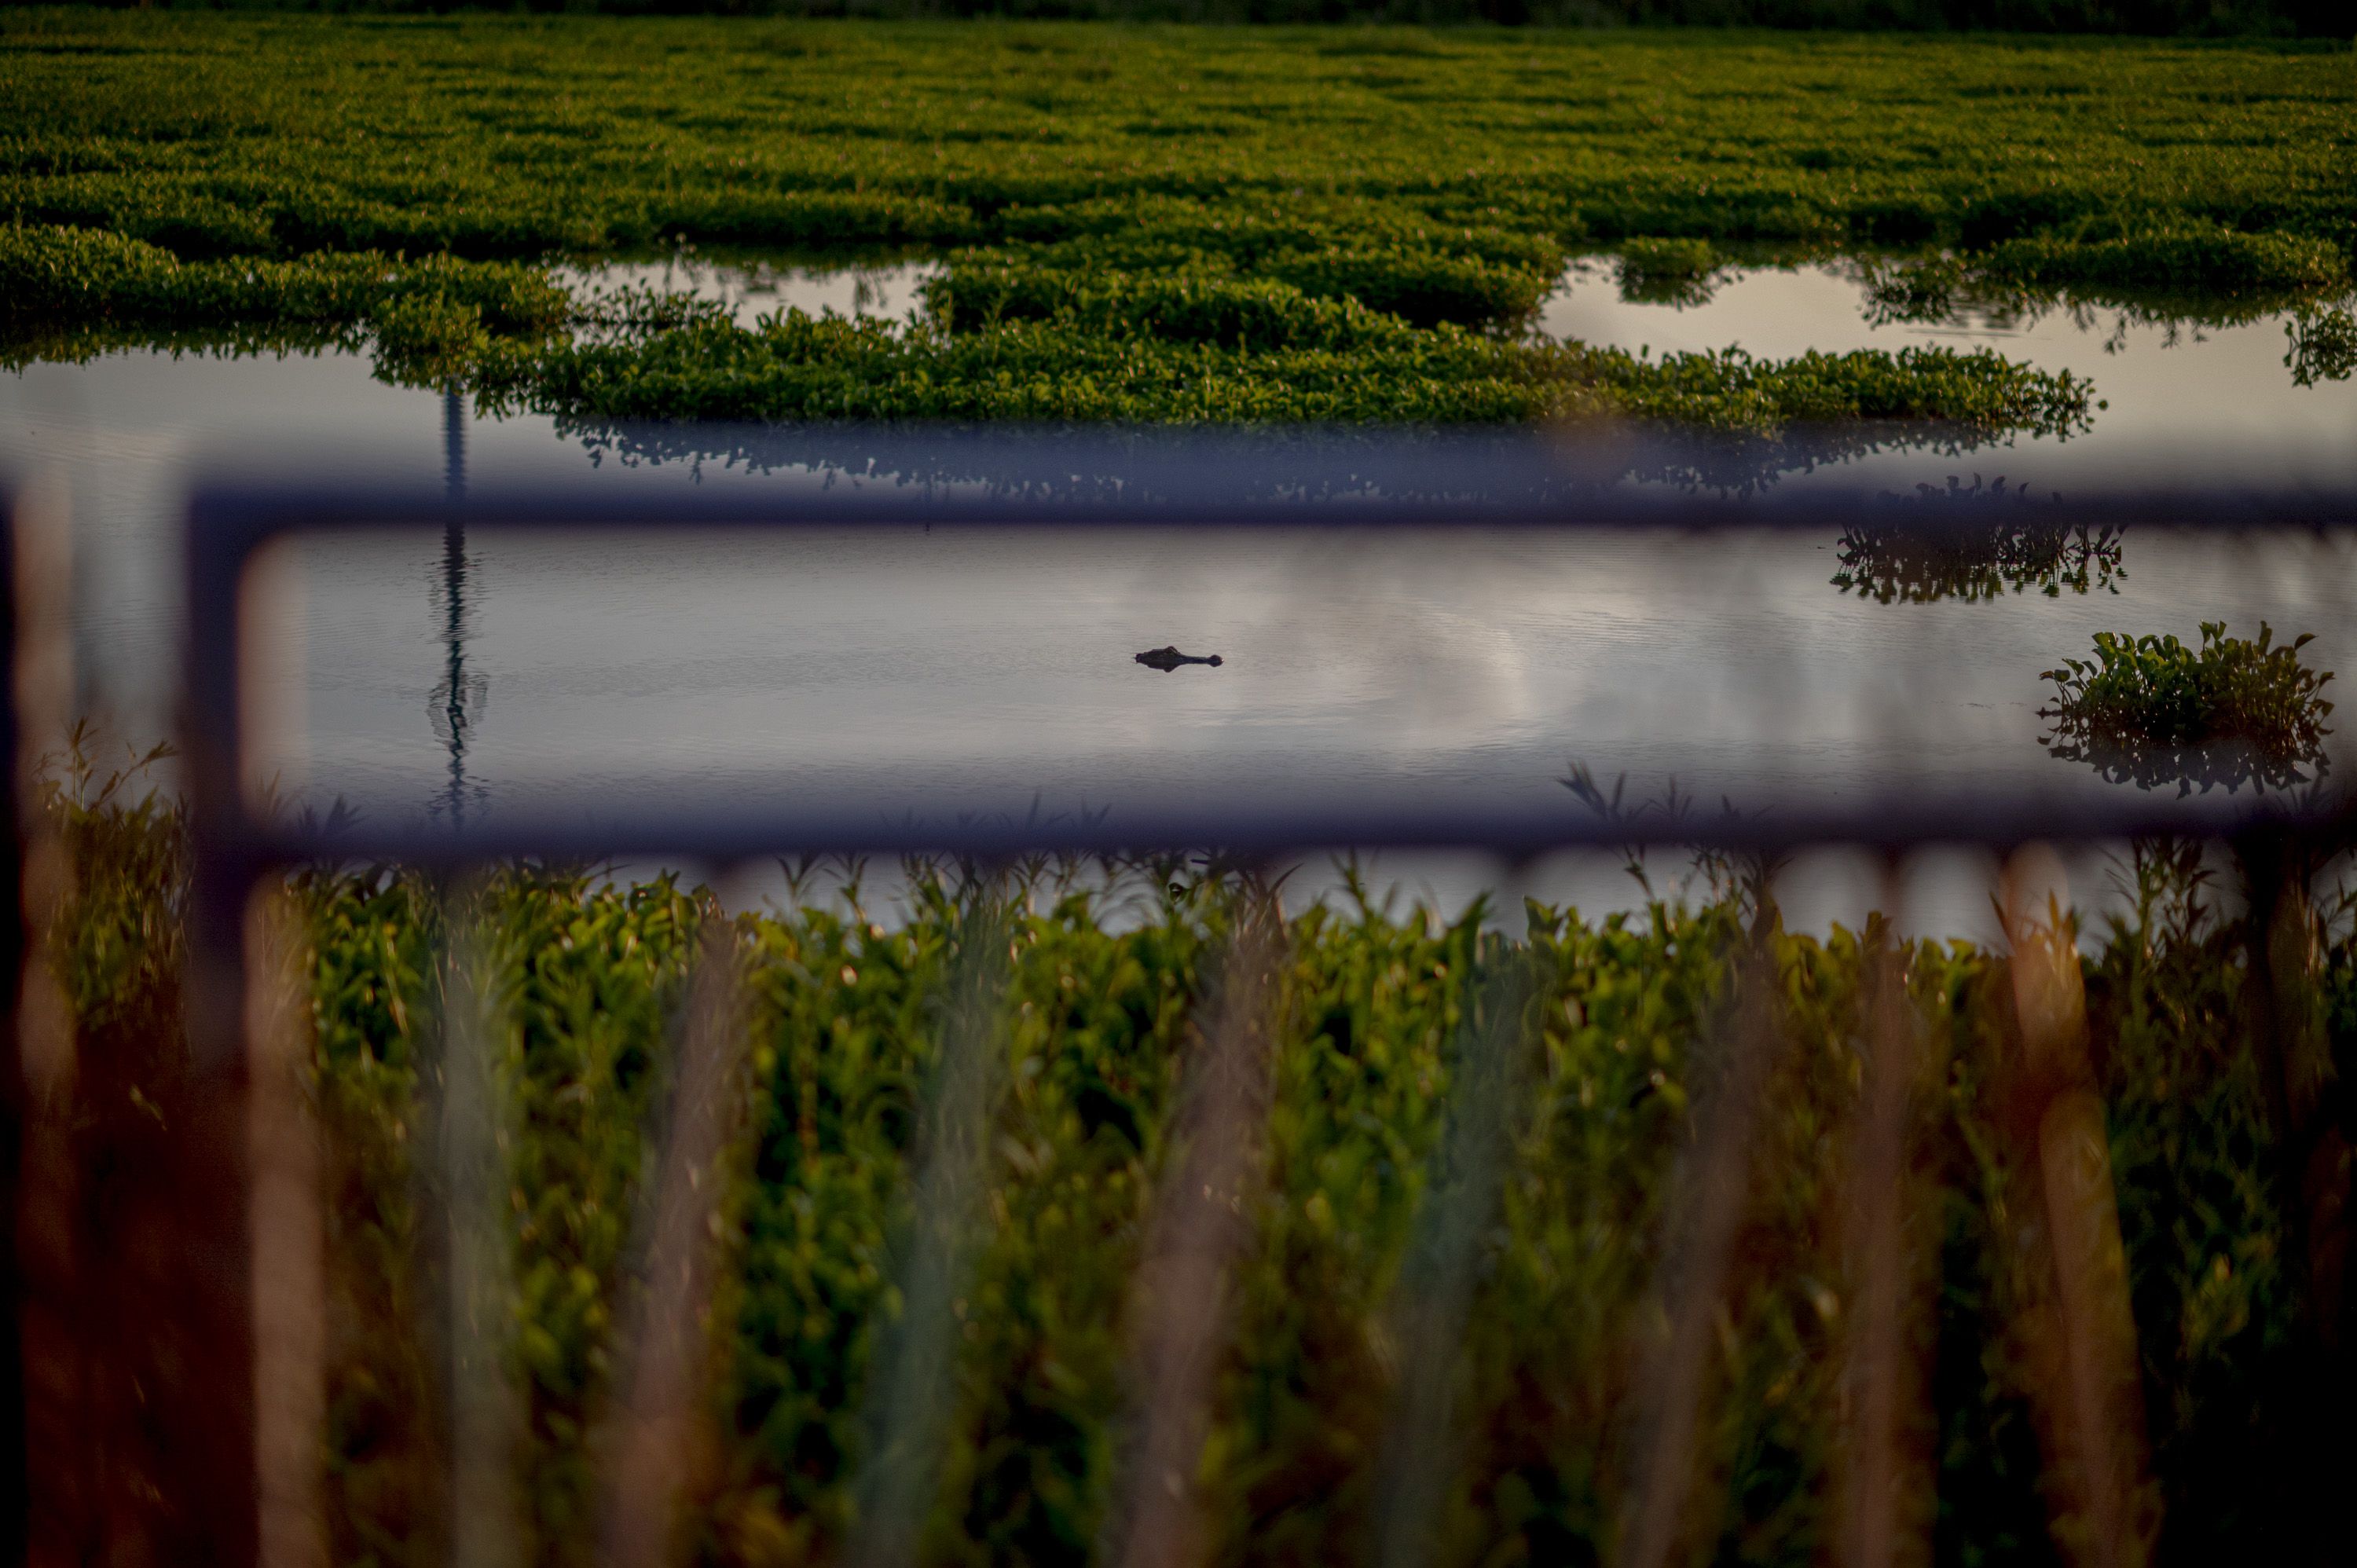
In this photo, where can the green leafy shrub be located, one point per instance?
(587, 980)
(2152, 710)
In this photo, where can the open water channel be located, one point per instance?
(949, 671)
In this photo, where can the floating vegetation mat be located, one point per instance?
(1134, 224)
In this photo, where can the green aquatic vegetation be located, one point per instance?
(1978, 390)
(57, 277)
(68, 294)
(796, 368)
(1973, 543)
(1143, 185)
(1243, 314)
(1022, 342)
(1420, 272)
(2214, 260)
(492, 136)
(1178, 352)
(2152, 711)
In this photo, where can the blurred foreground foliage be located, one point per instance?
(1622, 1033)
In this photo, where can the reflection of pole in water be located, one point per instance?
(450, 697)
(454, 443)
(459, 690)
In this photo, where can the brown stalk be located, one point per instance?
(287, 1228)
(1884, 1484)
(1201, 1228)
(2083, 1329)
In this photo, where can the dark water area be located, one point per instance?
(442, 676)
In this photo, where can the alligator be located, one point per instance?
(1168, 659)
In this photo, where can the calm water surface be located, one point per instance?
(949, 669)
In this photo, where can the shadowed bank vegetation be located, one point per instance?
(1623, 1028)
(2204, 19)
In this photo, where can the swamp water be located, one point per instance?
(952, 670)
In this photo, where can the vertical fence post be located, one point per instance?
(1201, 1228)
(1433, 1302)
(2093, 1403)
(15, 1492)
(487, 1526)
(912, 1386)
(1883, 1485)
(207, 1414)
(1704, 1220)
(662, 1444)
